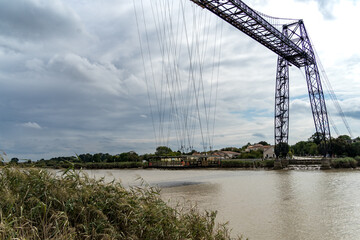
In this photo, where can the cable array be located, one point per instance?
(180, 46)
(277, 22)
(332, 95)
(330, 92)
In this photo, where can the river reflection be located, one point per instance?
(263, 204)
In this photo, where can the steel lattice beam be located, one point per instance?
(251, 23)
(316, 94)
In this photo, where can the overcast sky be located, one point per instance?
(71, 81)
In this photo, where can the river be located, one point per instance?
(263, 204)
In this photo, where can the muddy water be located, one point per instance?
(264, 204)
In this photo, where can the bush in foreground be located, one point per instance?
(35, 204)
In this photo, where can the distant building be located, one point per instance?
(226, 154)
(170, 159)
(269, 152)
(256, 147)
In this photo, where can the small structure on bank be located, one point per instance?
(269, 153)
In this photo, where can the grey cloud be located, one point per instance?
(37, 20)
(354, 114)
(104, 76)
(259, 135)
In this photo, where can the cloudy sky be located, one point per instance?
(71, 76)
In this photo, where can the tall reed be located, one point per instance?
(35, 204)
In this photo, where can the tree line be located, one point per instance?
(342, 146)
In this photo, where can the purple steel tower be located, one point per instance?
(281, 122)
(293, 46)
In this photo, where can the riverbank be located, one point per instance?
(336, 163)
(35, 204)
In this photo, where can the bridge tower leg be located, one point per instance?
(281, 109)
(296, 32)
(316, 95)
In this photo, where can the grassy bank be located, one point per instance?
(87, 165)
(234, 163)
(35, 204)
(346, 162)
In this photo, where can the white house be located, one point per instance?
(269, 153)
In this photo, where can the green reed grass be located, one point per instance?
(35, 204)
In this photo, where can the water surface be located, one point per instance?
(263, 204)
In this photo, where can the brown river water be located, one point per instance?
(263, 204)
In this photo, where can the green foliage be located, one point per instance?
(315, 138)
(232, 149)
(344, 163)
(245, 146)
(165, 151)
(237, 164)
(14, 161)
(340, 147)
(34, 204)
(128, 157)
(268, 163)
(258, 154)
(343, 146)
(282, 150)
(303, 148)
(264, 143)
(247, 164)
(89, 165)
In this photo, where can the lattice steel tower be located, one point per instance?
(292, 46)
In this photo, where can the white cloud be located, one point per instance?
(31, 125)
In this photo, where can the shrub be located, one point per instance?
(237, 164)
(344, 163)
(357, 158)
(268, 163)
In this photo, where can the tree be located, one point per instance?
(341, 145)
(232, 149)
(313, 149)
(345, 138)
(97, 157)
(354, 149)
(14, 160)
(315, 138)
(245, 146)
(282, 150)
(163, 151)
(300, 148)
(264, 143)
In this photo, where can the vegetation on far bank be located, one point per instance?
(236, 163)
(35, 204)
(346, 152)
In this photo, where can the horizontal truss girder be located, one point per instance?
(252, 24)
